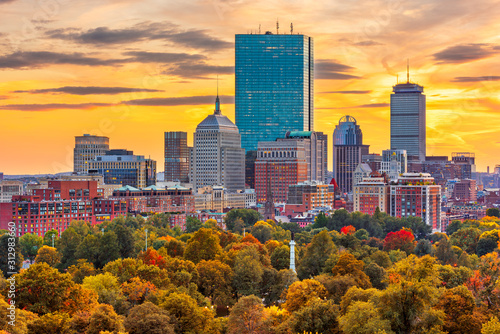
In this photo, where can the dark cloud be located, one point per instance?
(464, 53)
(367, 43)
(161, 57)
(198, 70)
(6, 1)
(53, 106)
(92, 90)
(476, 79)
(373, 105)
(330, 69)
(35, 59)
(348, 92)
(196, 39)
(180, 101)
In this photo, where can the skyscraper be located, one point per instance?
(348, 150)
(218, 158)
(87, 148)
(408, 120)
(176, 157)
(274, 86)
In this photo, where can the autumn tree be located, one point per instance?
(348, 265)
(67, 247)
(302, 292)
(348, 229)
(215, 280)
(316, 254)
(363, 317)
(148, 319)
(9, 245)
(204, 245)
(319, 316)
(48, 255)
(459, 305)
(402, 240)
(248, 317)
(50, 323)
(445, 254)
(248, 271)
(104, 318)
(466, 239)
(30, 244)
(81, 270)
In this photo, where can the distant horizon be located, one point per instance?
(132, 71)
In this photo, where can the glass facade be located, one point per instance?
(274, 86)
(408, 120)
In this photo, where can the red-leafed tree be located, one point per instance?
(348, 229)
(402, 240)
(152, 257)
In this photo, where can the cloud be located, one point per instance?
(348, 92)
(198, 70)
(6, 1)
(367, 43)
(369, 105)
(161, 57)
(53, 106)
(464, 53)
(180, 101)
(330, 69)
(196, 39)
(34, 59)
(92, 90)
(476, 79)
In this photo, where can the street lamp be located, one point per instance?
(146, 230)
(53, 236)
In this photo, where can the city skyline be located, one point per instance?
(104, 69)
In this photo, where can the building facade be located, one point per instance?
(465, 191)
(9, 189)
(466, 164)
(274, 76)
(87, 148)
(370, 193)
(123, 167)
(394, 162)
(408, 120)
(348, 150)
(176, 157)
(218, 157)
(417, 195)
(307, 196)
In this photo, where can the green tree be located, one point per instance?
(47, 238)
(316, 254)
(486, 245)
(363, 318)
(48, 255)
(67, 246)
(125, 238)
(262, 231)
(248, 216)
(193, 224)
(424, 247)
(445, 254)
(204, 245)
(377, 275)
(454, 226)
(248, 317)
(88, 249)
(10, 245)
(248, 271)
(280, 257)
(148, 319)
(493, 212)
(108, 249)
(466, 239)
(319, 316)
(320, 221)
(30, 244)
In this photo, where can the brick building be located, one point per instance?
(370, 193)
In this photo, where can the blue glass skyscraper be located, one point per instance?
(274, 86)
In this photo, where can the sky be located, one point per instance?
(131, 70)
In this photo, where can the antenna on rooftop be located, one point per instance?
(407, 70)
(277, 27)
(259, 29)
(291, 28)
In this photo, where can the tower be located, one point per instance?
(176, 157)
(292, 252)
(269, 205)
(408, 119)
(87, 148)
(274, 86)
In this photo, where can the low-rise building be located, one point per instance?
(10, 188)
(370, 193)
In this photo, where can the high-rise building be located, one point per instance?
(416, 195)
(394, 162)
(123, 167)
(316, 155)
(176, 157)
(274, 86)
(250, 158)
(465, 163)
(218, 157)
(87, 148)
(324, 137)
(408, 120)
(465, 190)
(348, 150)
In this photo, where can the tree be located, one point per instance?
(248, 216)
(424, 247)
(104, 318)
(125, 238)
(491, 327)
(50, 323)
(215, 280)
(30, 244)
(458, 304)
(454, 226)
(108, 249)
(280, 257)
(148, 319)
(47, 238)
(319, 316)
(193, 224)
(363, 317)
(445, 254)
(337, 286)
(81, 270)
(88, 249)
(10, 245)
(204, 245)
(48, 255)
(377, 275)
(486, 245)
(320, 221)
(493, 212)
(348, 265)
(402, 240)
(248, 271)
(262, 231)
(248, 317)
(302, 292)
(466, 239)
(317, 253)
(136, 290)
(105, 285)
(67, 246)
(348, 229)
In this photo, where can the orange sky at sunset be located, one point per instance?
(131, 70)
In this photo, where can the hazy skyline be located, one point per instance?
(132, 70)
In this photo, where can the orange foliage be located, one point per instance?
(250, 238)
(152, 257)
(348, 229)
(137, 289)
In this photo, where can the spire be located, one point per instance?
(407, 70)
(217, 102)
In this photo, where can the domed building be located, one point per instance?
(218, 158)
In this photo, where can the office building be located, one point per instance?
(417, 195)
(250, 158)
(316, 155)
(123, 167)
(370, 193)
(309, 195)
(218, 157)
(176, 157)
(10, 188)
(274, 76)
(408, 120)
(465, 191)
(348, 150)
(324, 138)
(87, 148)
(465, 163)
